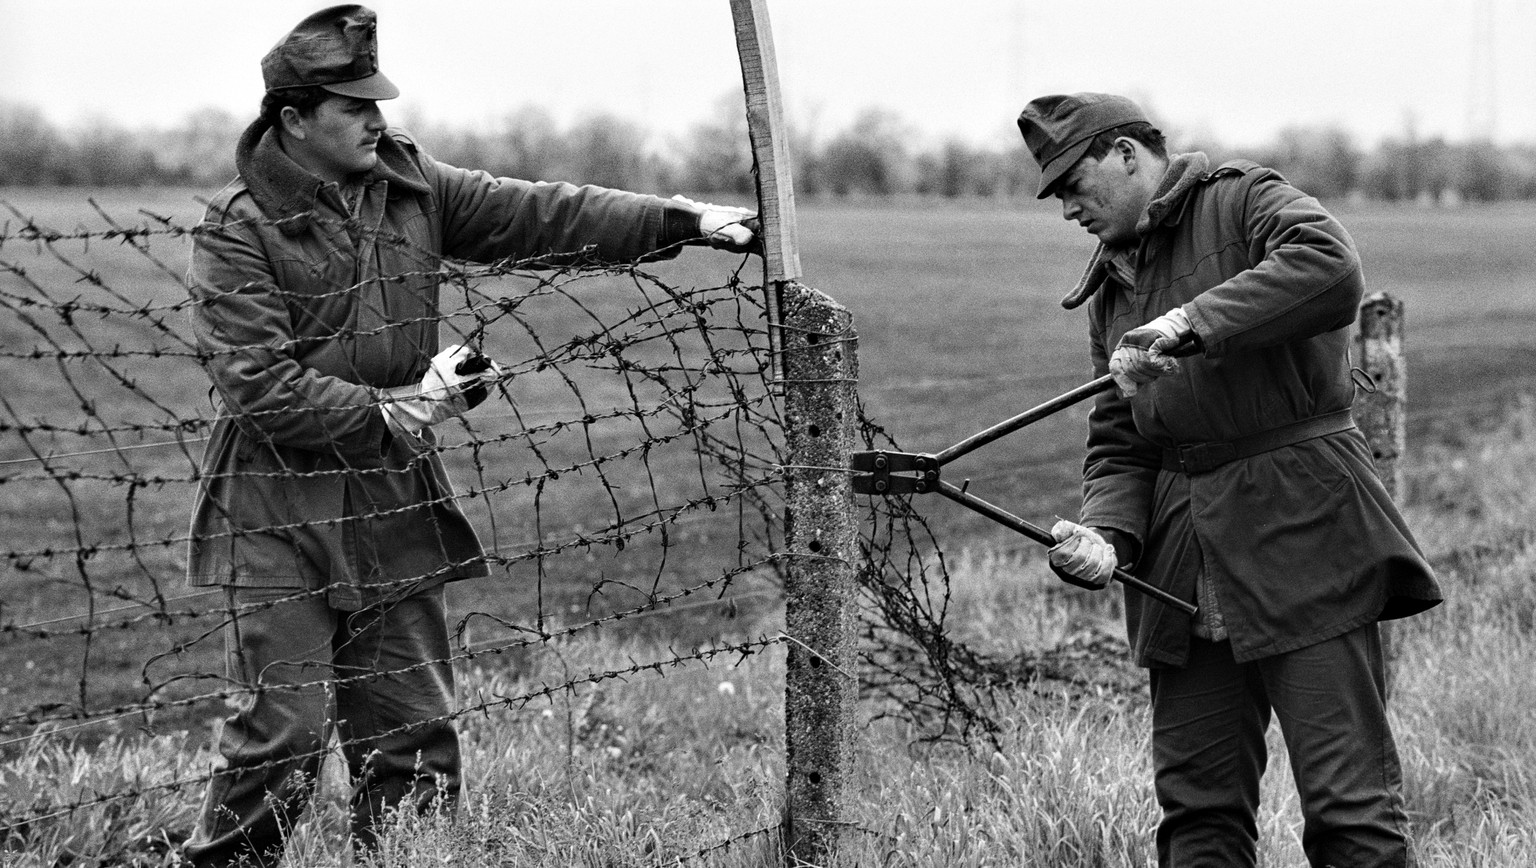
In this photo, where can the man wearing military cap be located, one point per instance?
(323, 511)
(1227, 470)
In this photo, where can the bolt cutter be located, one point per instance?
(887, 472)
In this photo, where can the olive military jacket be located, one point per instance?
(305, 308)
(1299, 543)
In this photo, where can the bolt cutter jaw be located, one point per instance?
(885, 472)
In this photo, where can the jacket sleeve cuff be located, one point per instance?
(1201, 326)
(373, 442)
(679, 224)
(1127, 545)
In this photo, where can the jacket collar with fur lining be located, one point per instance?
(1184, 172)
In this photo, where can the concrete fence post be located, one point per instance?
(820, 364)
(815, 359)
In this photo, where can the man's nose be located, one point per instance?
(1069, 209)
(376, 120)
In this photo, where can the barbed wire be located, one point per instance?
(625, 469)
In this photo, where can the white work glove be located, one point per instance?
(1143, 354)
(1082, 556)
(458, 379)
(724, 227)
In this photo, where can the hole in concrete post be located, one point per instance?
(815, 431)
(814, 777)
(815, 662)
(813, 338)
(815, 545)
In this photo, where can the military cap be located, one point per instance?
(1059, 129)
(337, 49)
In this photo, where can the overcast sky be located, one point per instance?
(1233, 70)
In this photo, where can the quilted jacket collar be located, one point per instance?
(286, 192)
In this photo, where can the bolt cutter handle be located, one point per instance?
(1043, 536)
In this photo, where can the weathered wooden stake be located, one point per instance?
(1382, 414)
(821, 687)
(770, 160)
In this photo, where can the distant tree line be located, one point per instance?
(877, 155)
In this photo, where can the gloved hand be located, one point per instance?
(1081, 556)
(1144, 354)
(457, 380)
(725, 227)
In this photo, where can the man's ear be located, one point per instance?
(1125, 147)
(292, 121)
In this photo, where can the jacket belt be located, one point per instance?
(1205, 457)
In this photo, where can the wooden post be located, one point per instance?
(815, 361)
(770, 160)
(1381, 414)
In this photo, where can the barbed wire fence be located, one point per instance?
(627, 474)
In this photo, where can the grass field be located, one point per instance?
(687, 768)
(959, 327)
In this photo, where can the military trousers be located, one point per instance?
(1209, 722)
(379, 678)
